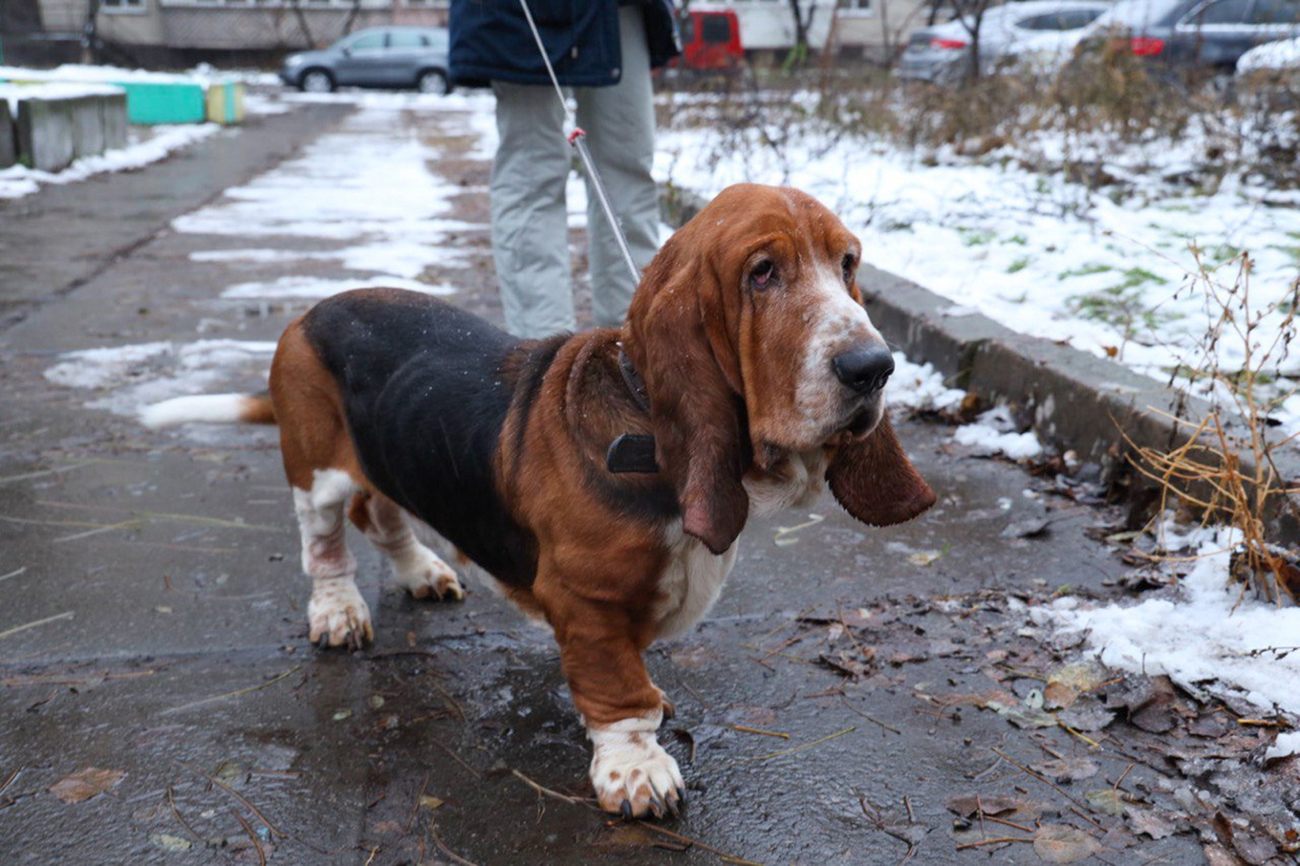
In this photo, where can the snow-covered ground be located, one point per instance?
(146, 145)
(1115, 276)
(1207, 637)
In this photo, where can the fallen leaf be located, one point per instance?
(1108, 801)
(1067, 769)
(1086, 715)
(1150, 822)
(1059, 696)
(1061, 843)
(168, 842)
(1022, 716)
(972, 804)
(925, 557)
(84, 784)
(1026, 528)
(341, 715)
(429, 802)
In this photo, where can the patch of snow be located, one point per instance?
(83, 72)
(987, 440)
(920, 387)
(1283, 54)
(15, 93)
(315, 287)
(257, 103)
(164, 139)
(994, 432)
(1284, 746)
(132, 377)
(1207, 637)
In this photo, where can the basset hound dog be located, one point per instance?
(601, 478)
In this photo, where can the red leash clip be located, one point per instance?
(575, 135)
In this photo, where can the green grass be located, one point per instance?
(1084, 270)
(975, 237)
(1018, 265)
(1019, 240)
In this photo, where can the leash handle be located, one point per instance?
(577, 140)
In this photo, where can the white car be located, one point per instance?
(1038, 33)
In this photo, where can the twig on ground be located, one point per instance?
(14, 573)
(191, 705)
(730, 858)
(542, 789)
(171, 801)
(998, 820)
(458, 759)
(998, 841)
(1043, 779)
(275, 831)
(20, 628)
(437, 840)
(748, 730)
(1123, 776)
(792, 750)
(867, 717)
(100, 530)
(699, 697)
(416, 807)
(12, 778)
(261, 855)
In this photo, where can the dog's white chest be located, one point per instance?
(690, 583)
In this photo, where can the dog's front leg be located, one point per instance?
(600, 649)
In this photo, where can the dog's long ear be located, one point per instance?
(675, 331)
(875, 482)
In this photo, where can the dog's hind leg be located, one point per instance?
(337, 614)
(417, 568)
(323, 471)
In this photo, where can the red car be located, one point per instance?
(711, 41)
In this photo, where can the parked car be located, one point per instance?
(376, 57)
(710, 41)
(1036, 32)
(1209, 33)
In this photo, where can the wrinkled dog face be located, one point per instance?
(814, 366)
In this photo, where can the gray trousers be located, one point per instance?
(529, 227)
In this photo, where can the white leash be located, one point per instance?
(577, 138)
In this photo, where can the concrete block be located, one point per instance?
(45, 133)
(87, 126)
(8, 137)
(113, 107)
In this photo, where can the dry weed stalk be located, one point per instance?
(1225, 468)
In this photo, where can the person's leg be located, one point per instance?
(619, 122)
(529, 228)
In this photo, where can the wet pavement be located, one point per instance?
(152, 613)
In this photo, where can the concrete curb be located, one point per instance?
(1073, 400)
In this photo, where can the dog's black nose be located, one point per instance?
(864, 368)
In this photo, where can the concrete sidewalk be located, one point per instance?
(152, 611)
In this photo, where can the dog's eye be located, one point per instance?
(762, 275)
(846, 267)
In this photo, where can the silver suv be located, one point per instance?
(377, 57)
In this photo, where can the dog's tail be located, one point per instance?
(211, 408)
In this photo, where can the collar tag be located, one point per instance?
(631, 452)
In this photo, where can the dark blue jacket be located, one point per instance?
(490, 40)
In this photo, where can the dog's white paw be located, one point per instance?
(631, 772)
(427, 576)
(339, 616)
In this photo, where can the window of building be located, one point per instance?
(121, 4)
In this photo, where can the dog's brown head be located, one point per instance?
(749, 331)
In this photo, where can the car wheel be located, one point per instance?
(433, 81)
(316, 81)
